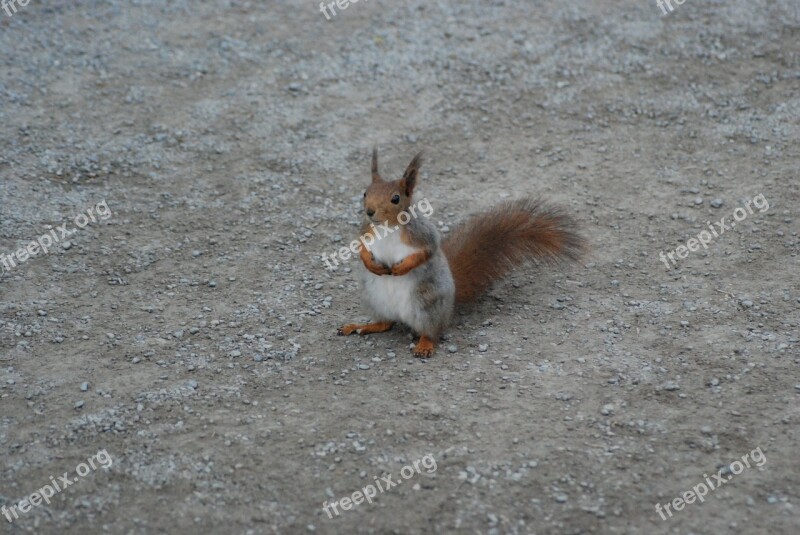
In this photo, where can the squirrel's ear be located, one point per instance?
(376, 177)
(409, 180)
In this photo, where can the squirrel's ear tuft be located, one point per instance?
(409, 180)
(376, 177)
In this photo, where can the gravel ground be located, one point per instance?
(189, 332)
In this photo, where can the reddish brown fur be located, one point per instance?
(487, 246)
(411, 262)
(379, 193)
(365, 328)
(424, 348)
(370, 263)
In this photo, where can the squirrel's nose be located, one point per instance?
(370, 212)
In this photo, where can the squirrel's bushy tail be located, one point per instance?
(487, 246)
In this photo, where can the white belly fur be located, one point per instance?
(392, 298)
(390, 249)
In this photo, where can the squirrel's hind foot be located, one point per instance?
(365, 328)
(424, 348)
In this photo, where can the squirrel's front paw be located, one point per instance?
(401, 268)
(379, 269)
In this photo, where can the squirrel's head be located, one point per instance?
(384, 199)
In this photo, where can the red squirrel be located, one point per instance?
(414, 277)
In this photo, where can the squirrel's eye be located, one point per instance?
(396, 199)
(365, 194)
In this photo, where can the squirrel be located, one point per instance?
(414, 277)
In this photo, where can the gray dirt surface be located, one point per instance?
(192, 334)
